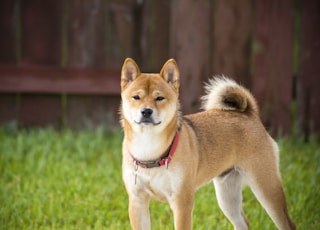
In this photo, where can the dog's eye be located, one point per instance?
(136, 97)
(159, 98)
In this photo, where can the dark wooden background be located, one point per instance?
(60, 60)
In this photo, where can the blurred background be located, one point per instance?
(60, 60)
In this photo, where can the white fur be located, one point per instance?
(275, 151)
(229, 195)
(214, 89)
(155, 181)
(145, 146)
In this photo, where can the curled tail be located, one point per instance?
(225, 94)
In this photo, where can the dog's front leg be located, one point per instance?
(139, 213)
(182, 210)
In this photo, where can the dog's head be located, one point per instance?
(149, 100)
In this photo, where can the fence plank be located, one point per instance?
(8, 27)
(86, 45)
(41, 45)
(41, 30)
(121, 31)
(92, 111)
(272, 62)
(231, 42)
(155, 34)
(40, 111)
(96, 32)
(190, 46)
(59, 80)
(93, 96)
(8, 108)
(309, 69)
(9, 10)
(100, 33)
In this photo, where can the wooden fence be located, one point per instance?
(60, 60)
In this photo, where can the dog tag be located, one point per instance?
(135, 178)
(135, 165)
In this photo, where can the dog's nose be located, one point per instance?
(146, 113)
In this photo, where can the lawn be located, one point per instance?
(72, 180)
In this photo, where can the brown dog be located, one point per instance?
(168, 157)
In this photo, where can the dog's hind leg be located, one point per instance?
(229, 194)
(267, 187)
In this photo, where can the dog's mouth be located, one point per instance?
(147, 121)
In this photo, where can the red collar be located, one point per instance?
(161, 161)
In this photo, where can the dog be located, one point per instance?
(167, 156)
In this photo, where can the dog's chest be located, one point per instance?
(159, 183)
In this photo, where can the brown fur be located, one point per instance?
(226, 143)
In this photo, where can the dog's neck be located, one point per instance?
(147, 146)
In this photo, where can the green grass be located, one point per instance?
(72, 180)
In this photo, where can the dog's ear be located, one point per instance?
(170, 73)
(129, 72)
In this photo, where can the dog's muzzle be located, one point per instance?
(146, 117)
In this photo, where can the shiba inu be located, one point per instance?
(167, 156)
